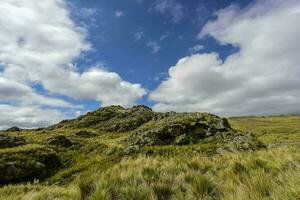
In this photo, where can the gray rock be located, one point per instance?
(240, 142)
(180, 129)
(182, 140)
(26, 168)
(8, 141)
(175, 129)
(221, 151)
(84, 133)
(59, 140)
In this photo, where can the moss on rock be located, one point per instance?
(7, 141)
(27, 163)
(111, 119)
(188, 128)
(85, 133)
(59, 140)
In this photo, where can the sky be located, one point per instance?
(62, 58)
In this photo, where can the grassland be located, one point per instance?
(99, 170)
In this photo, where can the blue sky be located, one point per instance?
(117, 48)
(62, 58)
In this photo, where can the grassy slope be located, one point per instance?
(97, 171)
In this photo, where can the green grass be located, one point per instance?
(98, 169)
(273, 129)
(258, 175)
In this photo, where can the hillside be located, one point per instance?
(136, 153)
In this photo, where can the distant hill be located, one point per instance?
(134, 153)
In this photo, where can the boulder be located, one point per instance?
(182, 140)
(239, 142)
(84, 133)
(59, 140)
(222, 124)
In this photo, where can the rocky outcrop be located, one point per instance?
(59, 140)
(239, 142)
(9, 141)
(142, 126)
(27, 165)
(179, 128)
(13, 129)
(189, 128)
(149, 128)
(111, 119)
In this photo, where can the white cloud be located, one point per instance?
(28, 116)
(154, 46)
(97, 84)
(160, 76)
(169, 7)
(119, 13)
(164, 36)
(11, 90)
(47, 60)
(38, 43)
(88, 12)
(262, 78)
(196, 48)
(138, 36)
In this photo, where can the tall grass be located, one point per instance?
(271, 174)
(180, 173)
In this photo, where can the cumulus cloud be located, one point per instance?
(97, 84)
(28, 116)
(164, 36)
(119, 13)
(88, 12)
(170, 8)
(38, 43)
(138, 36)
(196, 48)
(154, 46)
(263, 77)
(11, 90)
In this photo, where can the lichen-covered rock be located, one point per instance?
(9, 141)
(151, 128)
(84, 133)
(59, 140)
(111, 119)
(182, 139)
(188, 128)
(179, 128)
(240, 142)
